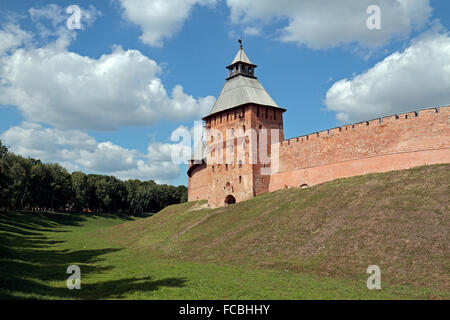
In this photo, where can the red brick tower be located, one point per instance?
(236, 129)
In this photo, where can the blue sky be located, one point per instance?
(100, 99)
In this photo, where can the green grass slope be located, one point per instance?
(397, 220)
(313, 243)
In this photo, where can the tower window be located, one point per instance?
(240, 179)
(274, 114)
(257, 111)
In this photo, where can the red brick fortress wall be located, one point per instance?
(385, 144)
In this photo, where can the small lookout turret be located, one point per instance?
(241, 65)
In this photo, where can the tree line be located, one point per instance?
(29, 184)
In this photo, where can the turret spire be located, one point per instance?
(241, 64)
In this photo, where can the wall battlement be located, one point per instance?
(364, 124)
(392, 142)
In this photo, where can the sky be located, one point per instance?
(105, 94)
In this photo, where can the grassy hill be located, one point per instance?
(289, 244)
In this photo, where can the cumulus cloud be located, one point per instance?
(52, 85)
(416, 78)
(60, 92)
(77, 150)
(159, 19)
(329, 23)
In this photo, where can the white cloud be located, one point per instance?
(329, 23)
(12, 37)
(159, 151)
(416, 78)
(252, 31)
(76, 150)
(50, 23)
(159, 19)
(55, 86)
(161, 172)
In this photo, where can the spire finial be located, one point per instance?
(240, 42)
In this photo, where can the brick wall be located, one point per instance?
(389, 143)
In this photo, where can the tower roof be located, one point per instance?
(241, 57)
(241, 87)
(241, 90)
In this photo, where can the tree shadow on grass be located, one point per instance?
(117, 289)
(26, 276)
(26, 271)
(112, 289)
(29, 261)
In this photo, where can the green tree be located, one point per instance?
(80, 190)
(27, 183)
